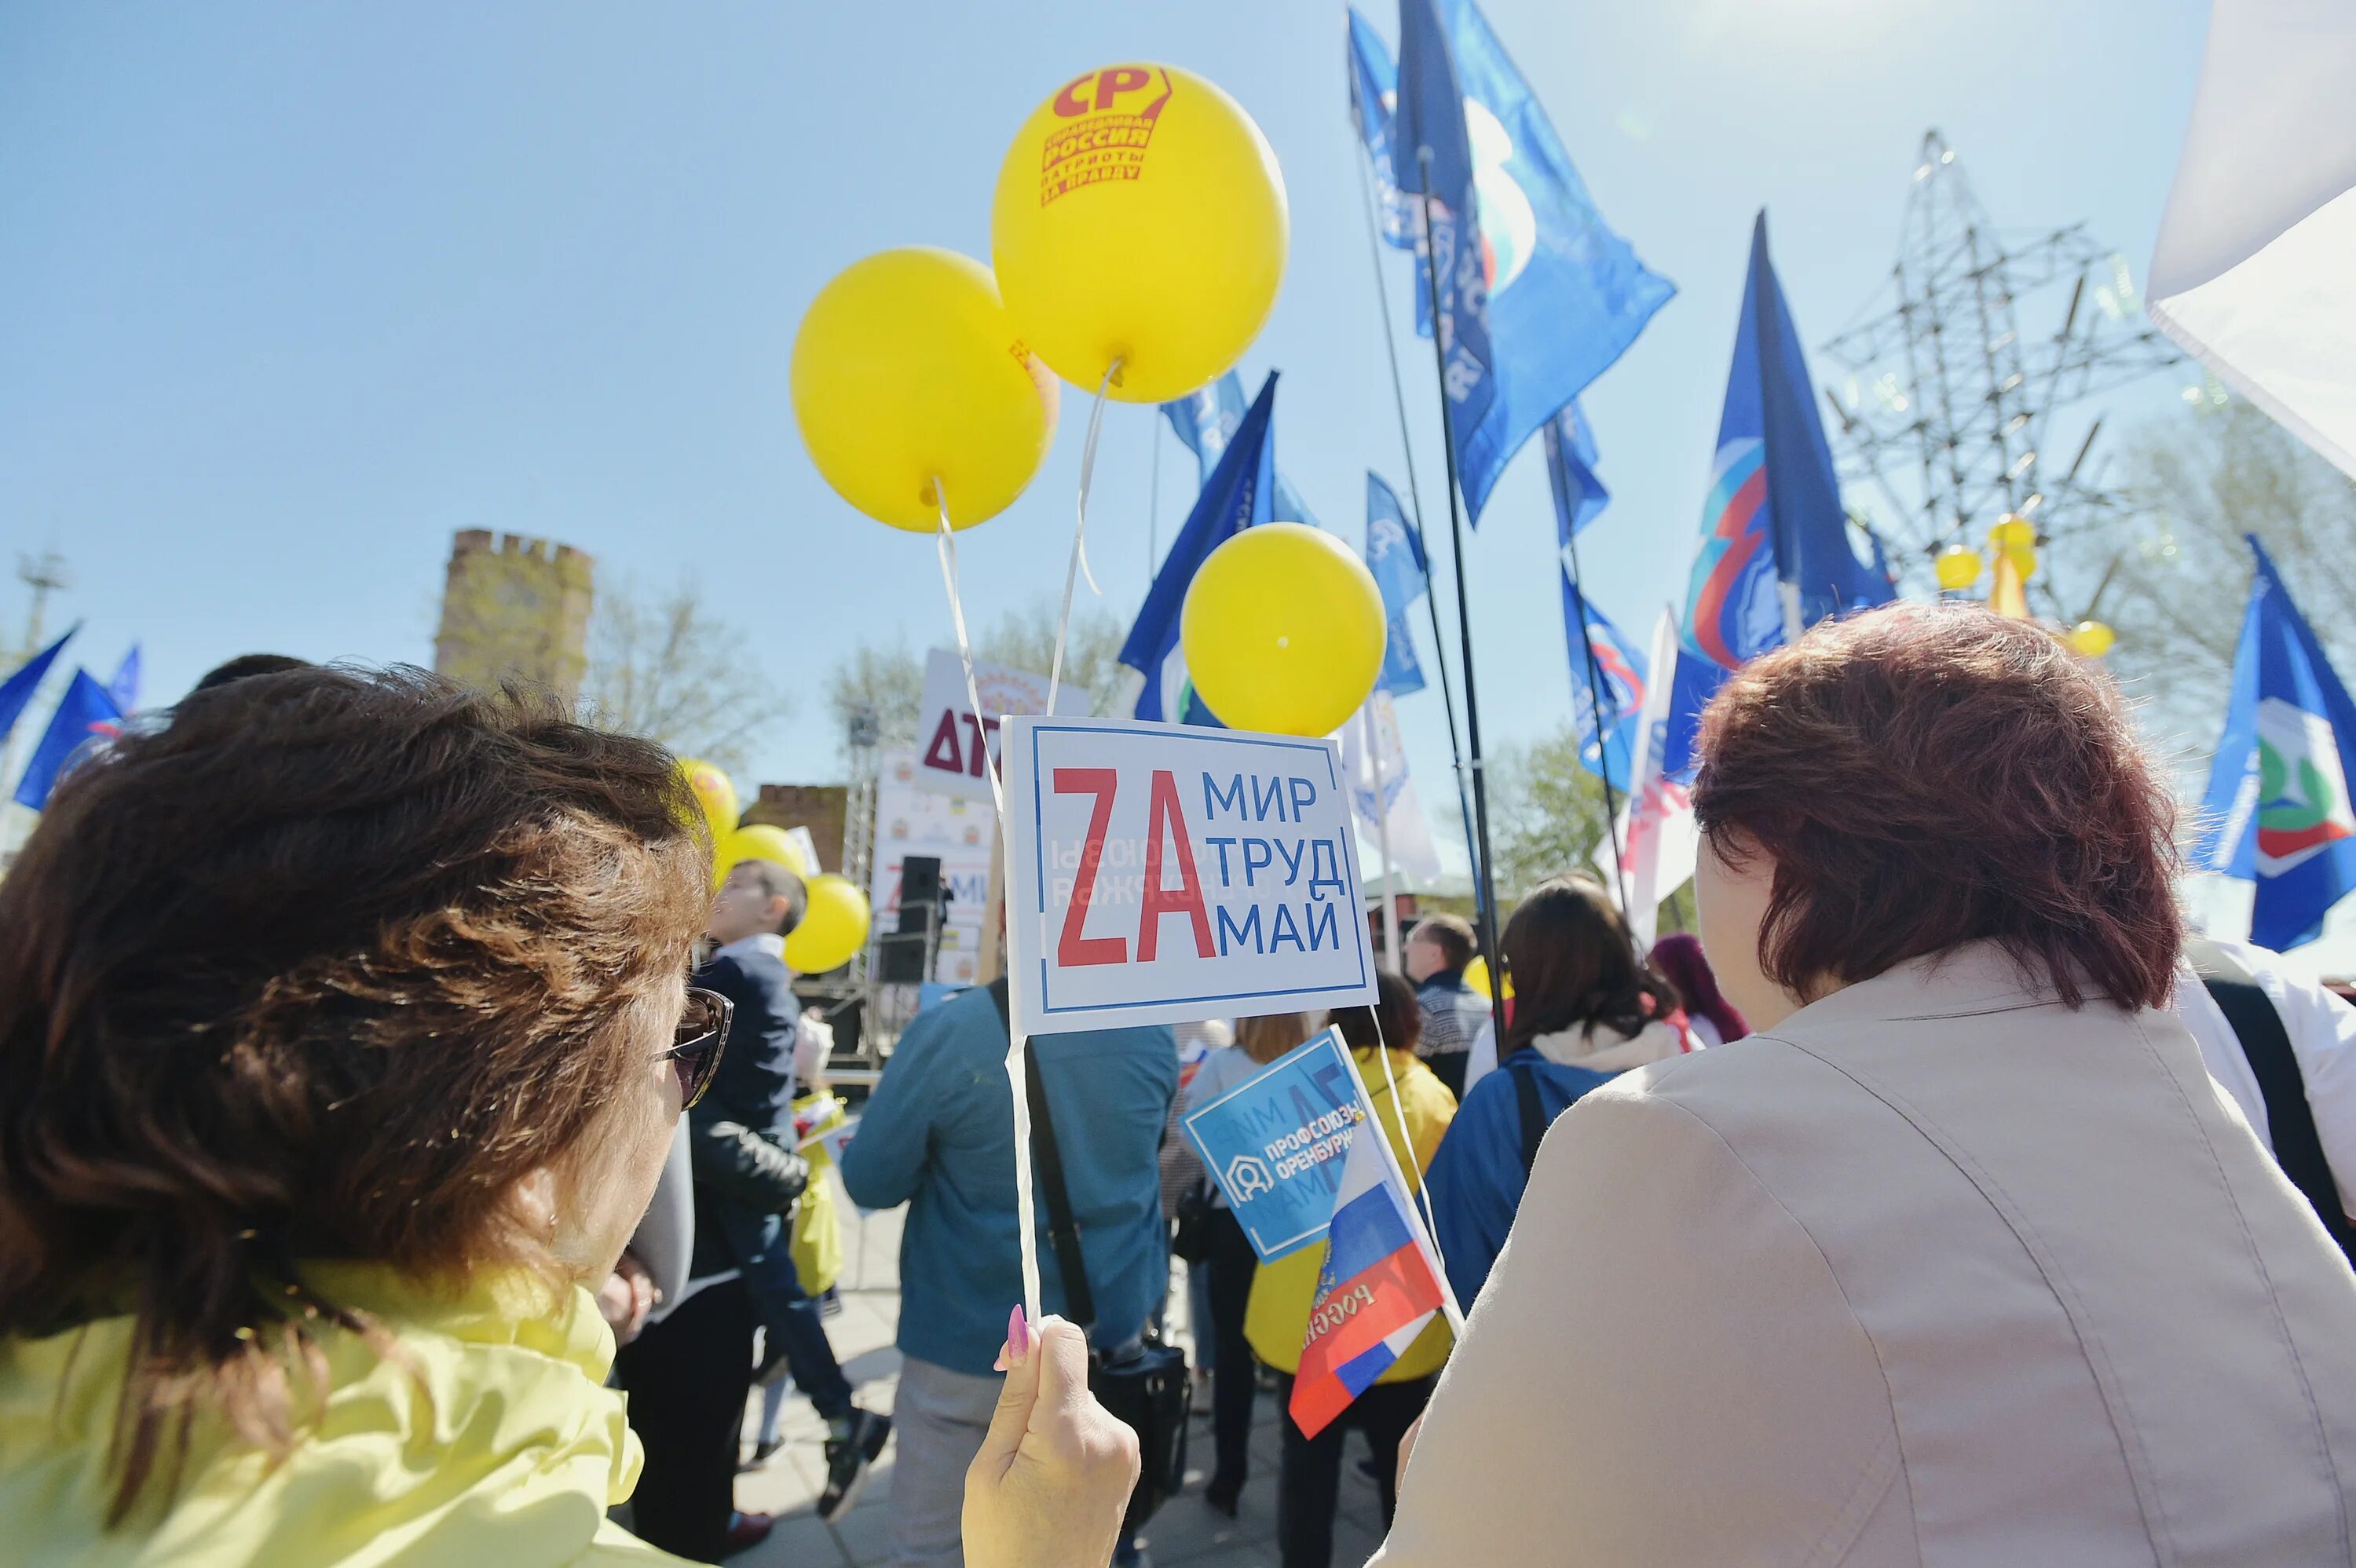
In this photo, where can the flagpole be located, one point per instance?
(1483, 877)
(1603, 739)
(1382, 834)
(1415, 505)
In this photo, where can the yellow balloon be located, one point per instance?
(714, 792)
(2023, 558)
(2012, 531)
(1958, 567)
(1140, 218)
(2093, 638)
(832, 930)
(908, 369)
(1476, 975)
(758, 842)
(1283, 630)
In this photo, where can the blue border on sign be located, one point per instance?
(1039, 861)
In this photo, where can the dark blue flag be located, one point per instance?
(1432, 155)
(1394, 556)
(1205, 420)
(1236, 496)
(1608, 698)
(1775, 557)
(86, 718)
(17, 690)
(1579, 496)
(1566, 294)
(2277, 812)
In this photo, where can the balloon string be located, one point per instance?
(1025, 1223)
(1079, 562)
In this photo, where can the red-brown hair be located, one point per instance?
(320, 968)
(1928, 775)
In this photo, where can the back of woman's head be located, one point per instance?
(1680, 961)
(320, 968)
(1395, 1020)
(1573, 965)
(1271, 1035)
(1928, 775)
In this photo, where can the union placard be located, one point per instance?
(1160, 873)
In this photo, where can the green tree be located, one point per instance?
(1546, 812)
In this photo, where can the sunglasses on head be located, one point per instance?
(696, 1044)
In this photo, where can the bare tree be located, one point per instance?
(889, 679)
(2178, 573)
(670, 671)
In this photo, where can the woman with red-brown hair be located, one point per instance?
(1960, 1258)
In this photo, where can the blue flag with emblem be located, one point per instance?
(1207, 420)
(1775, 557)
(1237, 495)
(86, 717)
(1566, 294)
(17, 691)
(2277, 810)
(1579, 496)
(1607, 700)
(1394, 556)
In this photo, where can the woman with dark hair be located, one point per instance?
(1709, 1017)
(1585, 1008)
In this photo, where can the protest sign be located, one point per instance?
(912, 820)
(953, 741)
(1160, 873)
(1274, 1143)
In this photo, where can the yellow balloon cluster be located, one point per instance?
(833, 928)
(1140, 221)
(910, 379)
(1283, 630)
(2015, 538)
(758, 842)
(713, 794)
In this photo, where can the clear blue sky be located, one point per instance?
(289, 294)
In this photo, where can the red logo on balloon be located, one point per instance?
(1110, 142)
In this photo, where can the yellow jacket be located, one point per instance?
(498, 1444)
(1277, 1319)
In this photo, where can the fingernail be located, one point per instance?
(1018, 1338)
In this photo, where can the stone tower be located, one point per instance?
(515, 608)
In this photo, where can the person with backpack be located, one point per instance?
(2285, 1048)
(1586, 1008)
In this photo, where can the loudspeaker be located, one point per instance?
(900, 960)
(920, 881)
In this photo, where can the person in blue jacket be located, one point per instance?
(938, 1135)
(1585, 1008)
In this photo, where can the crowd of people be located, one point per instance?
(376, 1058)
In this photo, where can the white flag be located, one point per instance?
(1382, 795)
(1659, 842)
(2258, 244)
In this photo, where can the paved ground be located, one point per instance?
(1184, 1534)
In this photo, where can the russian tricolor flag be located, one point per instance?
(1379, 1289)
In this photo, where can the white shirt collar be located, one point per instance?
(767, 942)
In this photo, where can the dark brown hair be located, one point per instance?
(1394, 1009)
(1573, 963)
(779, 882)
(318, 969)
(1928, 775)
(1448, 933)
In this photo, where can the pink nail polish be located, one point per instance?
(1018, 1338)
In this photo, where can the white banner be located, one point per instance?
(1158, 873)
(951, 739)
(913, 820)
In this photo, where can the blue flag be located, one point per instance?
(1775, 556)
(1579, 496)
(17, 690)
(1432, 156)
(1395, 555)
(124, 687)
(1236, 496)
(87, 716)
(1607, 733)
(1566, 294)
(2277, 810)
(1207, 420)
